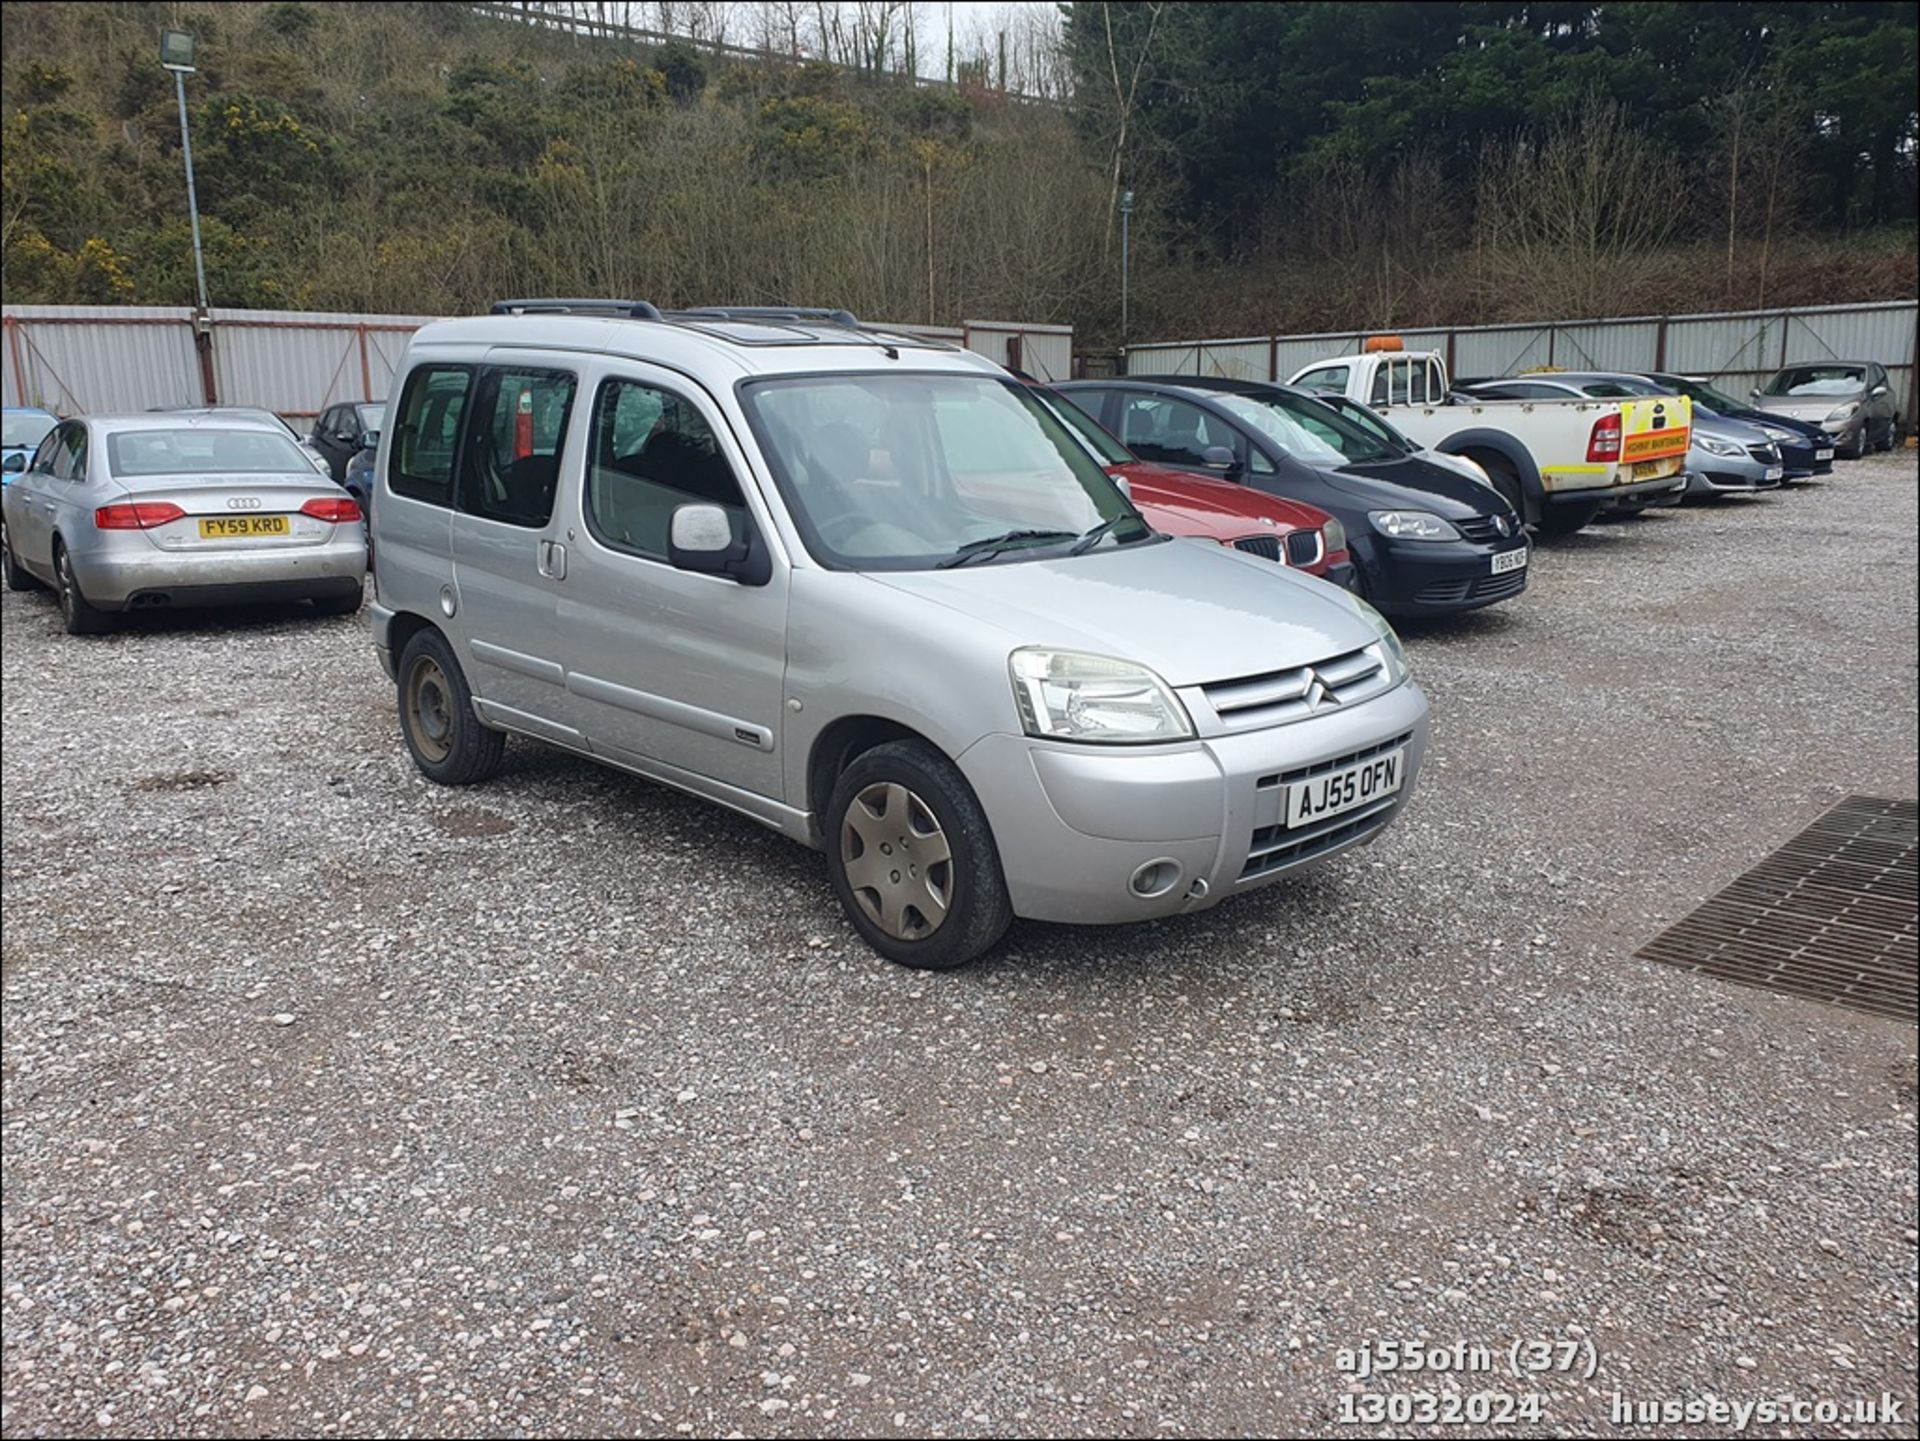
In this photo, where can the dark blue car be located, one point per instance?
(1805, 448)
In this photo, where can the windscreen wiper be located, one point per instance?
(1091, 538)
(992, 545)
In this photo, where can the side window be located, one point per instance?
(427, 433)
(1329, 378)
(650, 452)
(1094, 402)
(1436, 385)
(510, 464)
(1379, 395)
(1170, 431)
(52, 454)
(73, 458)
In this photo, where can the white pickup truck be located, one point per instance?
(1560, 462)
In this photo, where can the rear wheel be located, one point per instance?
(14, 575)
(1505, 479)
(81, 615)
(913, 860)
(437, 719)
(1566, 519)
(340, 604)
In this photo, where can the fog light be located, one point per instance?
(1155, 878)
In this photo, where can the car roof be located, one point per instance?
(180, 420)
(738, 343)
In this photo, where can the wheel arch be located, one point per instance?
(842, 742)
(1478, 441)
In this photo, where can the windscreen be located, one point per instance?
(1817, 380)
(905, 472)
(207, 452)
(25, 429)
(1308, 430)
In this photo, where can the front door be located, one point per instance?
(674, 671)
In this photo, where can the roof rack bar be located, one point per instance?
(774, 312)
(631, 309)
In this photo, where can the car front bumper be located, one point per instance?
(1717, 474)
(1436, 577)
(1076, 824)
(129, 572)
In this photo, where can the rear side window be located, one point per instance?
(1331, 378)
(1171, 431)
(73, 460)
(511, 463)
(427, 433)
(52, 454)
(652, 452)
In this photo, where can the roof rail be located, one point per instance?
(630, 309)
(773, 312)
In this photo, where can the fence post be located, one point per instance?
(19, 369)
(203, 346)
(1660, 345)
(1273, 359)
(366, 372)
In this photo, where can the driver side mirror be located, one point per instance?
(1879, 390)
(1218, 457)
(369, 440)
(17, 463)
(700, 539)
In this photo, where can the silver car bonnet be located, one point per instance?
(1192, 610)
(1816, 408)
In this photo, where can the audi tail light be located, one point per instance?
(136, 515)
(335, 509)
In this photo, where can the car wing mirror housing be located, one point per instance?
(700, 538)
(16, 464)
(1218, 457)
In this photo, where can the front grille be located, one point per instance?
(1303, 547)
(1483, 527)
(1483, 587)
(1267, 547)
(1768, 454)
(1272, 847)
(1290, 695)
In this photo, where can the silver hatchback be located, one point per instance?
(867, 590)
(134, 512)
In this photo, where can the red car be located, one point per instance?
(1177, 502)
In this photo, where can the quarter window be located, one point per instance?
(510, 465)
(428, 433)
(652, 452)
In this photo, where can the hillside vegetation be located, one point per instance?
(1296, 166)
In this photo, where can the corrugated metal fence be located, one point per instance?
(1737, 349)
(78, 359)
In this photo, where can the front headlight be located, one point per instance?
(1844, 412)
(1333, 535)
(1713, 445)
(1412, 525)
(1071, 696)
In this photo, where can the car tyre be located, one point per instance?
(340, 604)
(82, 617)
(14, 575)
(1566, 519)
(913, 859)
(437, 719)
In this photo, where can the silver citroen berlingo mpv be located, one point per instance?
(866, 589)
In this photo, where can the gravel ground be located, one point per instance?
(339, 1103)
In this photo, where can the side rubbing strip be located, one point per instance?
(673, 712)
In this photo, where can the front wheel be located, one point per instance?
(1506, 480)
(437, 718)
(913, 860)
(12, 574)
(1566, 519)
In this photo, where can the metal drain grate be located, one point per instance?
(1829, 916)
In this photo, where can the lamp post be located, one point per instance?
(1126, 219)
(176, 54)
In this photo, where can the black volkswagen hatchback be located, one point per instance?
(1425, 540)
